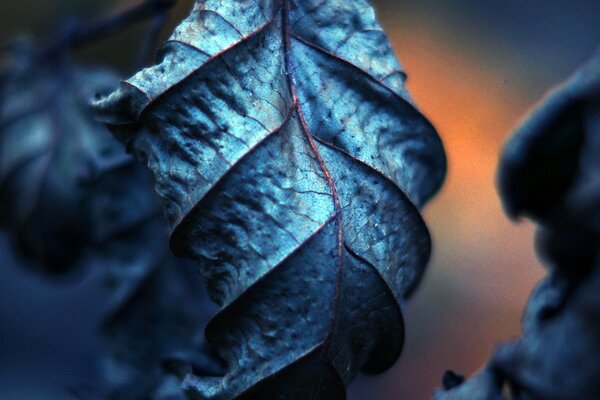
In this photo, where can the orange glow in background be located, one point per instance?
(483, 266)
(475, 90)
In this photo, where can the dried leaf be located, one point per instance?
(73, 196)
(553, 358)
(49, 147)
(549, 168)
(291, 162)
(486, 385)
(550, 171)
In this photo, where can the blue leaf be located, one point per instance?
(292, 163)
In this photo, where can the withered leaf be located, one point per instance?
(71, 196)
(554, 359)
(486, 385)
(556, 154)
(549, 168)
(292, 163)
(49, 147)
(550, 171)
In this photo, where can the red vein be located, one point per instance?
(186, 44)
(232, 166)
(204, 10)
(369, 167)
(243, 39)
(287, 48)
(378, 81)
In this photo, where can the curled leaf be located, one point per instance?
(49, 147)
(486, 385)
(553, 359)
(71, 195)
(291, 162)
(549, 168)
(550, 171)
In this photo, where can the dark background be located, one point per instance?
(475, 68)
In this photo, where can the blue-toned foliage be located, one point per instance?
(550, 171)
(72, 197)
(292, 164)
(50, 147)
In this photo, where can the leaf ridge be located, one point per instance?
(379, 81)
(384, 281)
(182, 224)
(151, 99)
(366, 165)
(354, 223)
(192, 382)
(287, 48)
(225, 308)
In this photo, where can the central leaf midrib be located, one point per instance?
(286, 31)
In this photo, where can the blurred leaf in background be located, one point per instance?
(475, 68)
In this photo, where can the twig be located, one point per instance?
(80, 34)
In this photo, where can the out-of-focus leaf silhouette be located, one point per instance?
(158, 309)
(291, 162)
(550, 171)
(49, 147)
(486, 385)
(71, 195)
(550, 167)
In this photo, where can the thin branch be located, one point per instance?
(80, 34)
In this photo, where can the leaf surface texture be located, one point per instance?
(292, 164)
